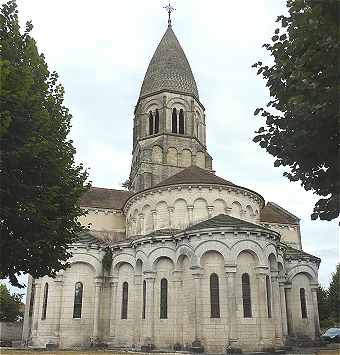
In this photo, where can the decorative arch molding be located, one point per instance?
(151, 104)
(157, 253)
(302, 269)
(250, 246)
(179, 103)
(270, 248)
(122, 258)
(212, 245)
(183, 250)
(89, 259)
(96, 273)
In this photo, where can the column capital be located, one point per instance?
(171, 209)
(98, 281)
(230, 268)
(274, 274)
(153, 212)
(59, 279)
(262, 270)
(191, 207)
(314, 286)
(196, 271)
(149, 275)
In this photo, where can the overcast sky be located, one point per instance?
(101, 51)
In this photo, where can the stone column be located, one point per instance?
(314, 289)
(190, 214)
(230, 274)
(98, 284)
(210, 211)
(58, 283)
(141, 224)
(149, 277)
(138, 304)
(177, 324)
(163, 117)
(261, 273)
(288, 294)
(36, 308)
(113, 314)
(26, 325)
(196, 273)
(276, 307)
(154, 219)
(283, 308)
(171, 221)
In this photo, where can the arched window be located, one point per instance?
(44, 309)
(174, 121)
(78, 300)
(269, 296)
(144, 299)
(156, 121)
(303, 303)
(214, 297)
(164, 299)
(181, 122)
(125, 298)
(246, 296)
(150, 123)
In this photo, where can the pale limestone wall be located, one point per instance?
(179, 206)
(101, 219)
(290, 233)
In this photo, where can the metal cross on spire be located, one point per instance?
(169, 9)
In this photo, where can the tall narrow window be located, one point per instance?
(214, 297)
(303, 303)
(246, 296)
(125, 298)
(150, 123)
(156, 121)
(144, 299)
(164, 299)
(78, 300)
(30, 312)
(181, 122)
(44, 309)
(174, 121)
(269, 296)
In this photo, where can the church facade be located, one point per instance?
(184, 259)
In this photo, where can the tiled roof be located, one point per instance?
(273, 213)
(192, 175)
(169, 69)
(223, 220)
(295, 254)
(104, 198)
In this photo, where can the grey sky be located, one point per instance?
(101, 51)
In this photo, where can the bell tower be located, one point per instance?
(169, 131)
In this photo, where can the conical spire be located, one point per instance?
(169, 69)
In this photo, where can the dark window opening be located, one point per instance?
(181, 122)
(269, 301)
(125, 297)
(144, 299)
(174, 121)
(214, 296)
(150, 123)
(303, 303)
(246, 296)
(78, 300)
(44, 309)
(156, 121)
(164, 299)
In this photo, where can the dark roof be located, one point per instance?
(223, 220)
(104, 198)
(194, 175)
(273, 213)
(87, 238)
(296, 254)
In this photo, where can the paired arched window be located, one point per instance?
(303, 303)
(144, 299)
(125, 298)
(269, 296)
(246, 296)
(78, 300)
(164, 299)
(44, 308)
(177, 121)
(153, 122)
(214, 297)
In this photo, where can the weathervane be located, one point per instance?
(169, 9)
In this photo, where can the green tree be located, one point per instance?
(334, 296)
(323, 306)
(40, 183)
(9, 305)
(303, 113)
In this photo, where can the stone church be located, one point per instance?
(184, 259)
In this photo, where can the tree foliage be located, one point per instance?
(303, 114)
(40, 182)
(10, 305)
